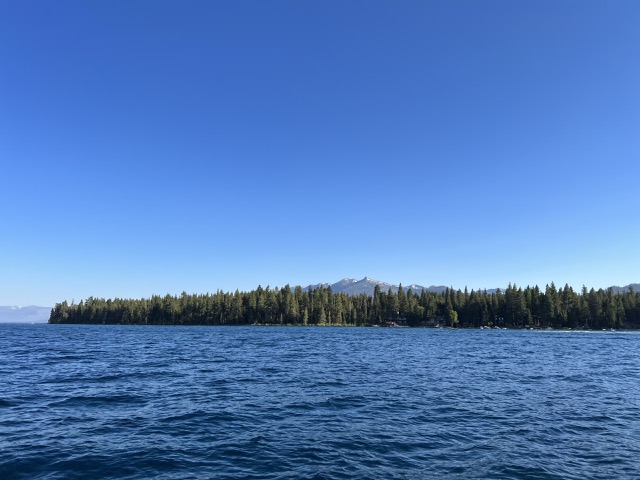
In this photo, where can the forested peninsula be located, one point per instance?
(514, 307)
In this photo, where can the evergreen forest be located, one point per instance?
(514, 307)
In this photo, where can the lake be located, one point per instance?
(317, 403)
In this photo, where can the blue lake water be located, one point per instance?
(317, 403)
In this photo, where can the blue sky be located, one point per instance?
(163, 146)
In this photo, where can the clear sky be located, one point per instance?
(165, 146)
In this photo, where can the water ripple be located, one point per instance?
(316, 403)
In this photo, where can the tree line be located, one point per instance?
(514, 307)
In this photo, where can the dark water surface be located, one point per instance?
(317, 403)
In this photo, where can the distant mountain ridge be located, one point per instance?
(30, 314)
(634, 286)
(367, 285)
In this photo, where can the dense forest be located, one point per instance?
(512, 308)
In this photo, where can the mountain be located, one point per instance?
(634, 286)
(351, 286)
(367, 285)
(30, 314)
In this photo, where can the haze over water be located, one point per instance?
(324, 403)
